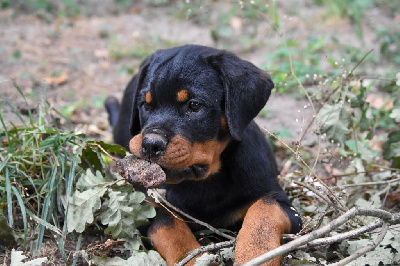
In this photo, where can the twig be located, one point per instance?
(333, 91)
(372, 183)
(302, 240)
(366, 249)
(387, 168)
(353, 173)
(341, 206)
(313, 190)
(203, 249)
(103, 150)
(346, 235)
(311, 103)
(213, 229)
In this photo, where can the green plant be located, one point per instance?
(238, 19)
(349, 126)
(390, 47)
(307, 65)
(52, 180)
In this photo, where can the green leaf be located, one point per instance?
(111, 148)
(68, 109)
(366, 120)
(81, 208)
(391, 148)
(335, 122)
(284, 133)
(134, 243)
(138, 259)
(91, 159)
(396, 115)
(17, 259)
(381, 255)
(89, 181)
(393, 240)
(146, 258)
(303, 258)
(358, 147)
(124, 213)
(17, 54)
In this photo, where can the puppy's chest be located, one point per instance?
(211, 203)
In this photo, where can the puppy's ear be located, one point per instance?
(134, 86)
(246, 87)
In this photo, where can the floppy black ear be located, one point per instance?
(135, 86)
(247, 89)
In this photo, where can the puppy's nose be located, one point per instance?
(153, 145)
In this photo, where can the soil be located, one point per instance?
(74, 62)
(81, 54)
(75, 57)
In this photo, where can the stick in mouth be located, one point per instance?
(140, 172)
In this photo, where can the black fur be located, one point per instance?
(227, 86)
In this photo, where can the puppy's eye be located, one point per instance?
(194, 106)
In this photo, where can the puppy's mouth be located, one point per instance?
(174, 176)
(193, 172)
(179, 158)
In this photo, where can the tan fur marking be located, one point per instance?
(180, 154)
(148, 97)
(135, 145)
(173, 242)
(224, 124)
(261, 231)
(182, 96)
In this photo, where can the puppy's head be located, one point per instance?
(189, 102)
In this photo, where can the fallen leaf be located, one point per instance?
(380, 103)
(236, 23)
(62, 78)
(102, 53)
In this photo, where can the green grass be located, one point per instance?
(40, 166)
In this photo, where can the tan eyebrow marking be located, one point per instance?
(224, 123)
(182, 96)
(148, 97)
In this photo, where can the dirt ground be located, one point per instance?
(74, 56)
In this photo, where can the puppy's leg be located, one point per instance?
(171, 237)
(261, 231)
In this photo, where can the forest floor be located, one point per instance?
(86, 58)
(75, 62)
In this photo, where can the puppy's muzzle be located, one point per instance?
(153, 146)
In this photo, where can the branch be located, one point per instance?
(366, 249)
(302, 240)
(372, 183)
(353, 173)
(332, 194)
(311, 188)
(203, 249)
(343, 236)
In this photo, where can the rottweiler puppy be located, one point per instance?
(190, 109)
